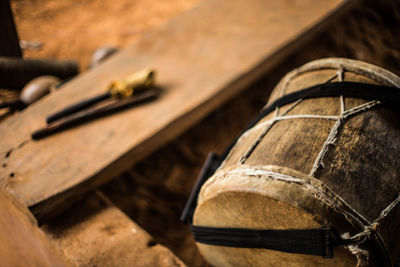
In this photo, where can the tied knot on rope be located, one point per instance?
(357, 239)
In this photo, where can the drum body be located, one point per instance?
(321, 162)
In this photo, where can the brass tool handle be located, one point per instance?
(133, 83)
(136, 82)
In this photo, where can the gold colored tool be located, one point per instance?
(133, 84)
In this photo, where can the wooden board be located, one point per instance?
(22, 243)
(96, 233)
(204, 57)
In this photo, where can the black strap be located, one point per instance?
(305, 241)
(210, 165)
(387, 94)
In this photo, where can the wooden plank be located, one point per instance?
(204, 57)
(9, 45)
(22, 243)
(96, 233)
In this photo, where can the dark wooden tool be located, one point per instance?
(119, 89)
(92, 114)
(77, 107)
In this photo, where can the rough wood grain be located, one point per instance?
(96, 233)
(22, 243)
(204, 57)
(357, 177)
(252, 206)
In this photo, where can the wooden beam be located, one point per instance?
(203, 57)
(22, 243)
(96, 233)
(9, 45)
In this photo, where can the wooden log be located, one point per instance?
(96, 233)
(324, 162)
(22, 243)
(203, 58)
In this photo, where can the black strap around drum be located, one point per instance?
(319, 241)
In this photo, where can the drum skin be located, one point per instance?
(321, 162)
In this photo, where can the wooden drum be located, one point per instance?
(317, 162)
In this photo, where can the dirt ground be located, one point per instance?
(74, 29)
(154, 191)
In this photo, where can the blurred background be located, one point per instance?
(75, 29)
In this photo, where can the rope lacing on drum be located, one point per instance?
(378, 94)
